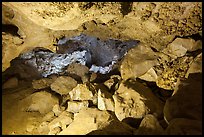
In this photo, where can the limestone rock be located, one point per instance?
(92, 119)
(49, 116)
(81, 92)
(187, 101)
(150, 75)
(63, 85)
(105, 101)
(42, 83)
(175, 49)
(17, 40)
(11, 83)
(113, 82)
(56, 110)
(188, 43)
(79, 70)
(133, 99)
(138, 61)
(149, 126)
(64, 119)
(43, 128)
(184, 126)
(175, 70)
(30, 128)
(196, 66)
(75, 106)
(42, 102)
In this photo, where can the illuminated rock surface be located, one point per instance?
(138, 91)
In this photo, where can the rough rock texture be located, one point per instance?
(173, 71)
(149, 126)
(75, 106)
(43, 83)
(170, 35)
(187, 101)
(81, 92)
(91, 119)
(195, 66)
(138, 61)
(184, 126)
(63, 85)
(150, 75)
(79, 71)
(154, 23)
(175, 50)
(62, 121)
(113, 82)
(105, 101)
(42, 102)
(188, 43)
(133, 99)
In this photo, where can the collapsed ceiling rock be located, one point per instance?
(100, 56)
(41, 101)
(155, 24)
(63, 85)
(186, 102)
(43, 83)
(91, 119)
(133, 99)
(61, 122)
(81, 92)
(75, 106)
(195, 66)
(105, 101)
(112, 68)
(149, 126)
(138, 61)
(184, 126)
(78, 72)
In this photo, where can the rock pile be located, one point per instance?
(126, 103)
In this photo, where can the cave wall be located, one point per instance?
(40, 24)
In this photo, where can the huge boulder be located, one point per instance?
(133, 99)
